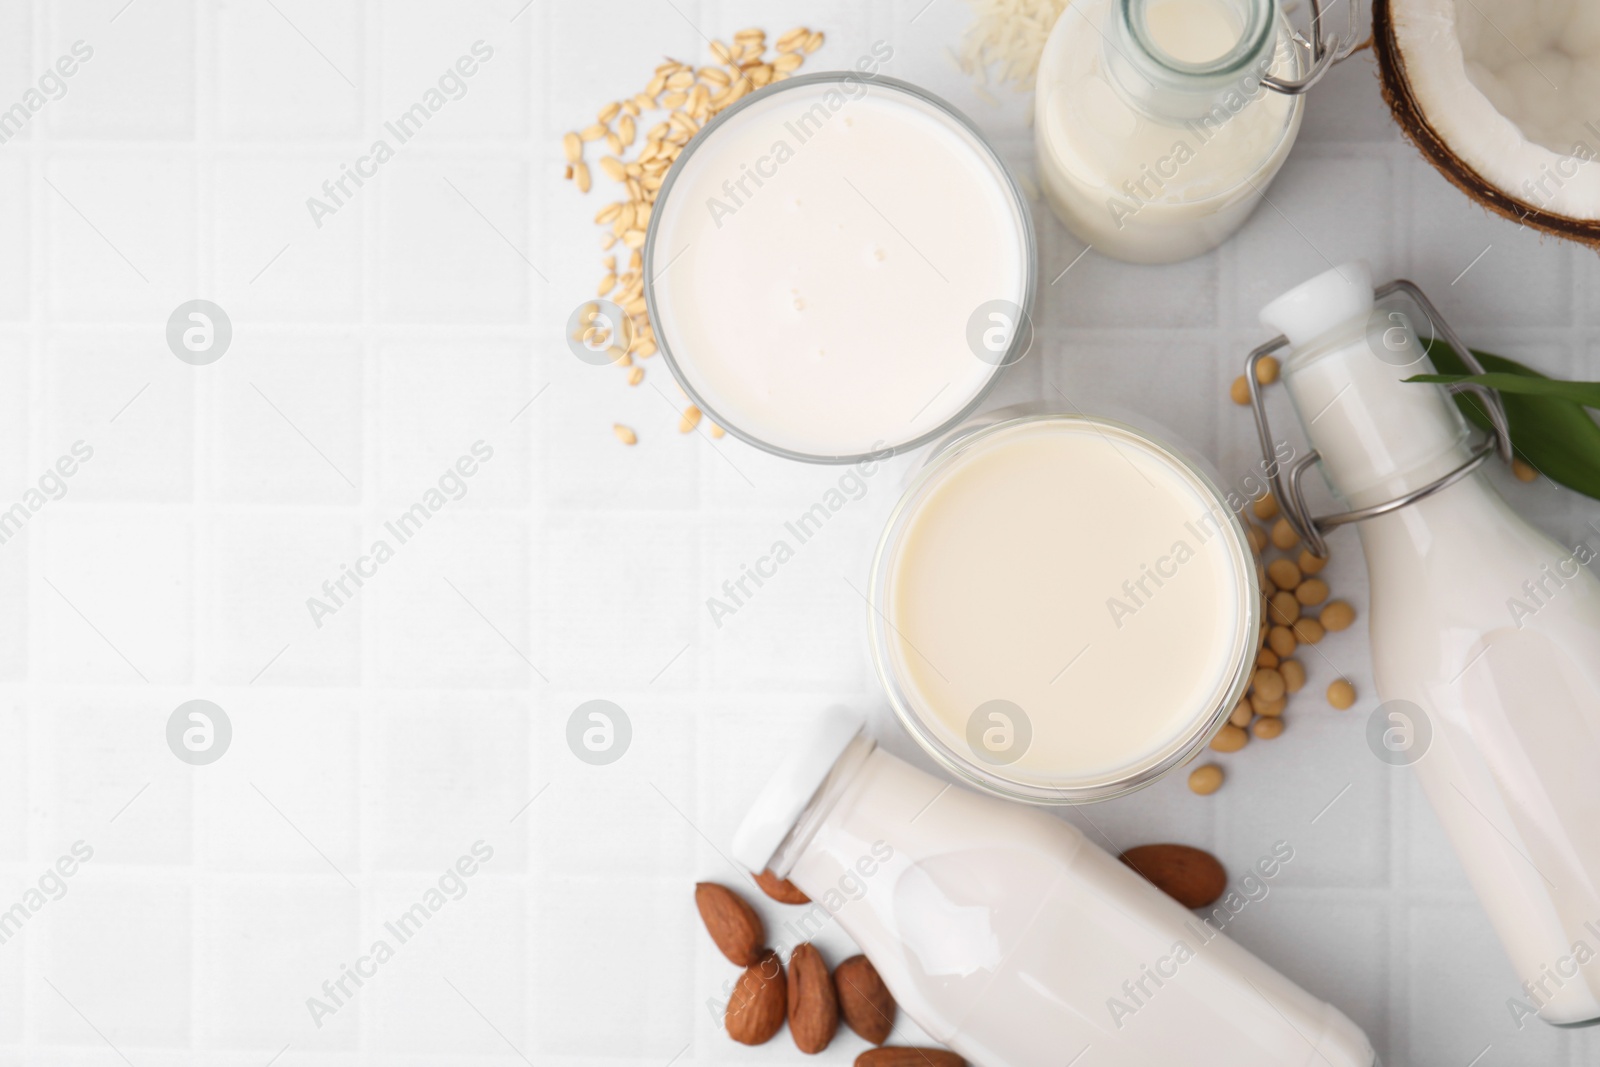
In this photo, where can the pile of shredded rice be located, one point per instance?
(1003, 44)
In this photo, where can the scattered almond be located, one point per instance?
(1191, 876)
(756, 1008)
(732, 923)
(625, 435)
(864, 1000)
(909, 1057)
(780, 889)
(813, 1005)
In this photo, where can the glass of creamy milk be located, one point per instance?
(839, 266)
(1063, 608)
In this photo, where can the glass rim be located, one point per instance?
(1030, 262)
(1181, 749)
(1254, 42)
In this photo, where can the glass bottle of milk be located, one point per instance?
(1156, 128)
(1485, 638)
(1013, 939)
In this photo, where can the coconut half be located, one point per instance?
(1503, 96)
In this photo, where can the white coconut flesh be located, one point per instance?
(1513, 88)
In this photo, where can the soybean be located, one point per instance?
(1294, 675)
(1309, 631)
(1311, 591)
(1229, 739)
(1206, 780)
(1269, 708)
(1338, 615)
(1267, 729)
(1269, 684)
(1284, 574)
(1285, 608)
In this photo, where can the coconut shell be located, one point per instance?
(1414, 124)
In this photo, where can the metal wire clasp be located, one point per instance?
(1286, 483)
(1323, 53)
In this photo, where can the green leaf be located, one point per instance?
(1585, 393)
(1553, 433)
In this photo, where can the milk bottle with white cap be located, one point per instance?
(1013, 939)
(1485, 637)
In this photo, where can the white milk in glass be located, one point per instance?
(818, 258)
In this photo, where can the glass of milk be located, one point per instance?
(1156, 131)
(839, 266)
(1064, 608)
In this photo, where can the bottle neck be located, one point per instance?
(1379, 437)
(846, 769)
(1182, 60)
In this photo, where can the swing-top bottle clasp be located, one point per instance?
(1286, 481)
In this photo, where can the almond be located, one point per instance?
(780, 889)
(1192, 877)
(864, 1000)
(732, 923)
(755, 1010)
(909, 1057)
(813, 1007)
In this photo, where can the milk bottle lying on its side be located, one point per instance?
(1010, 937)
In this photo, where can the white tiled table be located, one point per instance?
(422, 716)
